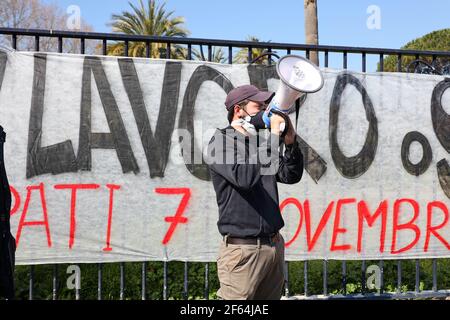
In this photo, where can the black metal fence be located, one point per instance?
(358, 53)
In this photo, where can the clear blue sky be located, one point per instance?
(340, 22)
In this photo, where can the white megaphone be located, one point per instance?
(298, 76)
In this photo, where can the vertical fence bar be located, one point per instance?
(168, 53)
(307, 53)
(189, 56)
(306, 277)
(434, 274)
(399, 276)
(417, 275)
(381, 62)
(77, 285)
(122, 280)
(286, 278)
(77, 289)
(364, 63)
(14, 41)
(209, 52)
(288, 51)
(99, 284)
(185, 286)
(381, 265)
(105, 47)
(249, 54)
(230, 55)
(55, 281)
(36, 43)
(165, 281)
(344, 59)
(344, 277)
(126, 48)
(31, 283)
(206, 281)
(399, 63)
(363, 277)
(144, 281)
(83, 45)
(326, 58)
(148, 49)
(60, 44)
(325, 277)
(269, 50)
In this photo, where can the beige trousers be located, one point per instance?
(251, 272)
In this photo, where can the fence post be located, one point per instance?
(31, 283)
(286, 278)
(344, 277)
(185, 287)
(99, 287)
(435, 275)
(55, 281)
(165, 281)
(399, 276)
(306, 277)
(206, 281)
(363, 277)
(417, 275)
(122, 281)
(144, 281)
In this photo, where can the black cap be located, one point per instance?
(249, 92)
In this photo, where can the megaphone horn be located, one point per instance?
(298, 76)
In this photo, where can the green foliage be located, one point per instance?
(435, 41)
(242, 55)
(42, 288)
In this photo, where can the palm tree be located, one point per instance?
(311, 28)
(150, 19)
(217, 55)
(242, 55)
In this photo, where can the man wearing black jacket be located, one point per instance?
(245, 168)
(7, 241)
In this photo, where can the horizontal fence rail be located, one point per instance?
(16, 35)
(37, 33)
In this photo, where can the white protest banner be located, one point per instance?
(97, 171)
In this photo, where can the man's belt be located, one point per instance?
(254, 241)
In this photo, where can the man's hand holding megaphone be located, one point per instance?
(280, 124)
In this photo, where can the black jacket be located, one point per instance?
(7, 241)
(246, 187)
